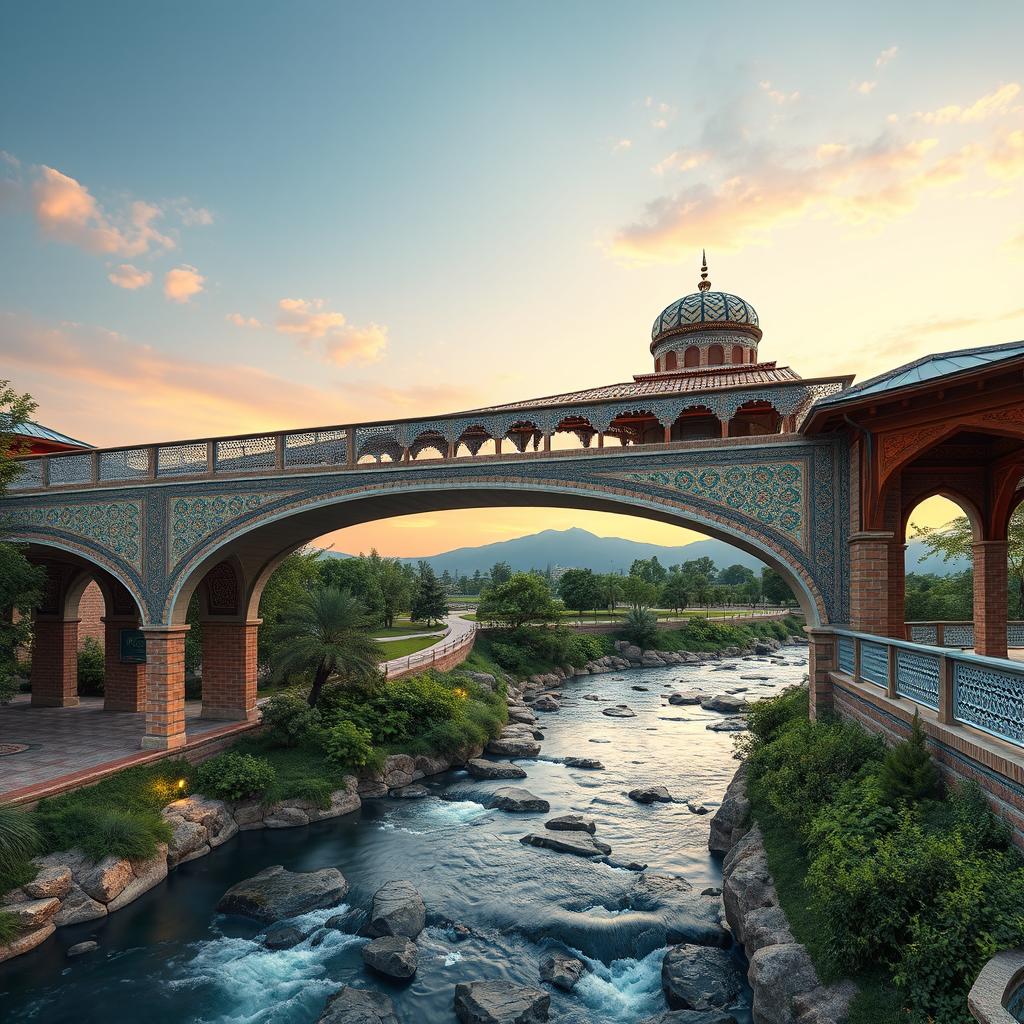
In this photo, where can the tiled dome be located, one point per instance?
(705, 309)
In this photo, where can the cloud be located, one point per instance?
(777, 95)
(67, 211)
(242, 321)
(866, 88)
(1006, 158)
(129, 277)
(662, 112)
(308, 320)
(993, 104)
(886, 56)
(680, 160)
(181, 283)
(193, 217)
(622, 144)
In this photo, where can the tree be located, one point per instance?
(431, 602)
(775, 589)
(501, 572)
(735, 575)
(641, 628)
(21, 583)
(908, 772)
(327, 632)
(955, 540)
(295, 577)
(675, 594)
(610, 587)
(396, 583)
(638, 593)
(448, 583)
(578, 589)
(650, 570)
(522, 599)
(355, 574)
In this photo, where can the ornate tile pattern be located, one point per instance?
(705, 307)
(193, 518)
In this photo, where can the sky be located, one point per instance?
(218, 218)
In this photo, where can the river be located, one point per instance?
(169, 958)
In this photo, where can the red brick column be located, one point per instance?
(897, 590)
(165, 687)
(823, 660)
(229, 670)
(869, 581)
(990, 598)
(124, 683)
(55, 663)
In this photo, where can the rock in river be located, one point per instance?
(682, 699)
(584, 762)
(724, 703)
(516, 800)
(391, 955)
(358, 1006)
(583, 844)
(514, 746)
(737, 724)
(275, 893)
(481, 769)
(700, 978)
(650, 795)
(619, 711)
(561, 970)
(571, 823)
(283, 936)
(398, 909)
(500, 1002)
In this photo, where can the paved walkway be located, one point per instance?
(422, 635)
(456, 629)
(69, 741)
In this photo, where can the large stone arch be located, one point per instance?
(258, 545)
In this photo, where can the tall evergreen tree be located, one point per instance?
(431, 602)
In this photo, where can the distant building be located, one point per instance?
(32, 438)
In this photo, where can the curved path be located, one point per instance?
(455, 633)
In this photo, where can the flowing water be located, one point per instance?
(170, 958)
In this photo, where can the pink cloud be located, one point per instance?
(129, 277)
(181, 283)
(309, 320)
(993, 104)
(242, 321)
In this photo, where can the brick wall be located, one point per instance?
(91, 609)
(229, 670)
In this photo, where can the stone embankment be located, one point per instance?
(786, 986)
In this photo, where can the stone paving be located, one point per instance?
(63, 741)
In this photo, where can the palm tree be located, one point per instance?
(327, 631)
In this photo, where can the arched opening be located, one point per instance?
(670, 360)
(574, 433)
(691, 357)
(716, 355)
(737, 354)
(637, 427)
(696, 424)
(754, 419)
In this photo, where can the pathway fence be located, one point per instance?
(441, 656)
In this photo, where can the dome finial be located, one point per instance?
(705, 284)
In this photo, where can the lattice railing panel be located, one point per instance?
(246, 453)
(874, 663)
(846, 658)
(30, 475)
(990, 699)
(1015, 634)
(924, 634)
(181, 459)
(917, 677)
(958, 634)
(124, 464)
(316, 448)
(71, 469)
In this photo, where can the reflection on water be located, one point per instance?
(169, 958)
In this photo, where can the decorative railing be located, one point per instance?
(398, 667)
(525, 426)
(960, 634)
(986, 693)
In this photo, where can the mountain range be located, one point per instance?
(576, 548)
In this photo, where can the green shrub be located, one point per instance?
(288, 720)
(510, 657)
(103, 831)
(641, 628)
(234, 776)
(9, 927)
(313, 788)
(19, 839)
(91, 668)
(9, 687)
(908, 772)
(765, 718)
(348, 746)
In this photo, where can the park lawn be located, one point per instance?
(622, 613)
(404, 629)
(391, 649)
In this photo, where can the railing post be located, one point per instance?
(211, 457)
(945, 689)
(279, 452)
(890, 688)
(940, 634)
(856, 659)
(94, 468)
(350, 446)
(151, 457)
(44, 471)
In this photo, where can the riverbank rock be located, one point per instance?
(582, 844)
(481, 769)
(399, 770)
(106, 879)
(358, 1006)
(197, 822)
(78, 907)
(724, 703)
(513, 747)
(777, 974)
(571, 823)
(32, 914)
(26, 942)
(700, 978)
(561, 970)
(546, 703)
(394, 956)
(52, 882)
(146, 873)
(283, 936)
(729, 822)
(413, 792)
(691, 1017)
(684, 699)
(728, 725)
(517, 801)
(275, 893)
(500, 1002)
(398, 909)
(650, 795)
(589, 764)
(619, 711)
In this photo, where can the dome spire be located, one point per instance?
(705, 284)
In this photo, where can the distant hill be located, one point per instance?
(576, 548)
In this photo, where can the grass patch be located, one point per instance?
(391, 649)
(404, 629)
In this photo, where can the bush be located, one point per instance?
(234, 776)
(510, 657)
(9, 687)
(641, 628)
(9, 927)
(19, 839)
(91, 668)
(765, 718)
(103, 831)
(908, 772)
(288, 720)
(348, 746)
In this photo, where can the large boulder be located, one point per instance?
(394, 956)
(700, 978)
(32, 914)
(481, 769)
(52, 881)
(582, 844)
(513, 746)
(146, 873)
(275, 893)
(777, 974)
(343, 801)
(561, 970)
(546, 703)
(105, 880)
(724, 703)
(77, 907)
(684, 699)
(189, 840)
(765, 926)
(213, 815)
(283, 936)
(500, 1002)
(29, 940)
(650, 795)
(398, 909)
(358, 1006)
(517, 801)
(746, 881)
(399, 770)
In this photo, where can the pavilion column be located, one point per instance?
(897, 591)
(725, 427)
(990, 598)
(229, 670)
(451, 450)
(668, 434)
(54, 662)
(497, 446)
(165, 687)
(823, 654)
(869, 581)
(600, 439)
(124, 683)
(547, 442)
